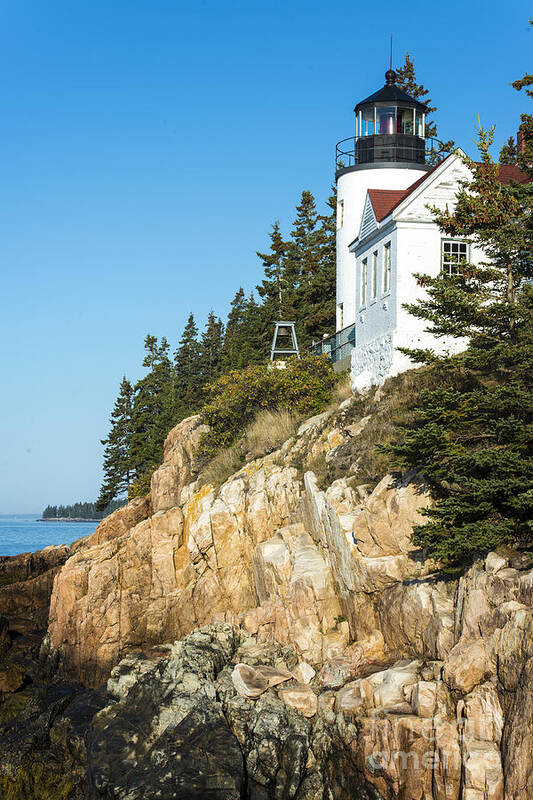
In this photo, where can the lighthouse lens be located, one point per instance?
(386, 119)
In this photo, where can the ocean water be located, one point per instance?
(21, 533)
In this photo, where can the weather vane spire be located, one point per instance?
(390, 52)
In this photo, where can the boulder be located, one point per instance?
(469, 664)
(119, 522)
(301, 697)
(253, 681)
(180, 464)
(424, 698)
(304, 672)
(384, 524)
(26, 582)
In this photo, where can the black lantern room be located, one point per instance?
(390, 126)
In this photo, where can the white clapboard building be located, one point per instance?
(385, 234)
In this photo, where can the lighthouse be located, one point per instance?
(387, 152)
(387, 234)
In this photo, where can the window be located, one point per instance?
(340, 214)
(452, 254)
(367, 122)
(405, 120)
(374, 274)
(420, 124)
(386, 119)
(364, 280)
(340, 308)
(386, 268)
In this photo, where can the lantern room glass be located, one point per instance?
(389, 120)
(386, 119)
(419, 124)
(405, 123)
(367, 122)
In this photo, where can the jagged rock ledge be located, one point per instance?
(407, 686)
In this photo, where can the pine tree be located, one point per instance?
(302, 264)
(153, 413)
(187, 359)
(117, 464)
(318, 292)
(210, 352)
(525, 156)
(232, 335)
(472, 437)
(247, 330)
(406, 80)
(273, 290)
(255, 338)
(508, 154)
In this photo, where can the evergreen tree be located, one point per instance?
(472, 437)
(117, 463)
(81, 510)
(406, 80)
(508, 154)
(318, 292)
(302, 264)
(303, 254)
(273, 290)
(525, 157)
(153, 413)
(232, 335)
(187, 359)
(211, 349)
(255, 344)
(247, 330)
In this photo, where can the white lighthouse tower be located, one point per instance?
(387, 152)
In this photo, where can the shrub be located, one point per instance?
(303, 387)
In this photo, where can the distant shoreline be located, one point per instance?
(67, 519)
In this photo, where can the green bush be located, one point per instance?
(303, 387)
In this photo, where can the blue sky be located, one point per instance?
(146, 149)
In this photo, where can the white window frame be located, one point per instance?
(446, 264)
(364, 281)
(386, 271)
(374, 277)
(340, 307)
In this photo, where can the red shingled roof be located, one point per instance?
(510, 172)
(386, 200)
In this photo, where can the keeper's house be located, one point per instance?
(385, 234)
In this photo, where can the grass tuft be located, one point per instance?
(225, 463)
(267, 432)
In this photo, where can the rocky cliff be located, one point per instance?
(271, 638)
